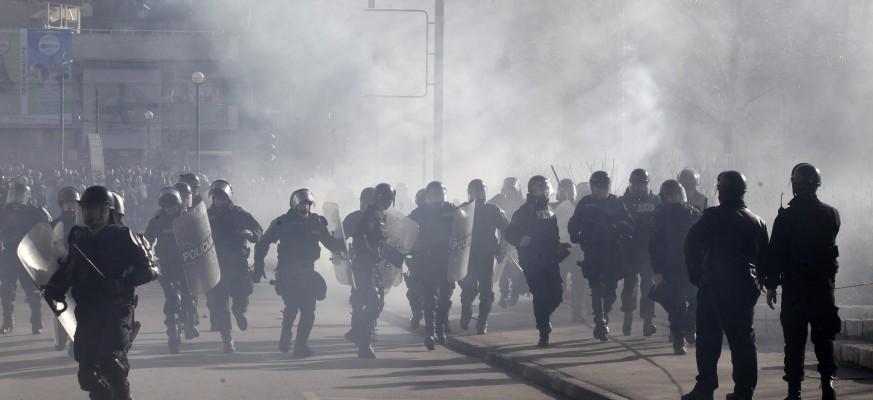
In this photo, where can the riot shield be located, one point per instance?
(341, 265)
(391, 275)
(563, 211)
(460, 241)
(509, 258)
(199, 260)
(39, 252)
(402, 233)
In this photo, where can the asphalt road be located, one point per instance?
(31, 369)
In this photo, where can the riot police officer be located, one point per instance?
(298, 232)
(601, 225)
(512, 283)
(232, 228)
(350, 222)
(431, 259)
(68, 203)
(534, 232)
(372, 250)
(802, 257)
(185, 193)
(566, 204)
(180, 307)
(689, 179)
(17, 217)
(641, 203)
(723, 251)
(193, 182)
(489, 222)
(105, 263)
(412, 279)
(670, 224)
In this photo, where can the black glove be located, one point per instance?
(563, 251)
(258, 273)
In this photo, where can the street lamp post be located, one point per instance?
(148, 118)
(64, 64)
(198, 78)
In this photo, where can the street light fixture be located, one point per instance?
(198, 78)
(149, 116)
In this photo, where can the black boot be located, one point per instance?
(628, 323)
(601, 331)
(827, 388)
(173, 339)
(482, 322)
(227, 343)
(649, 328)
(366, 352)
(8, 319)
(241, 320)
(285, 336)
(415, 322)
(679, 347)
(466, 316)
(544, 339)
(429, 332)
(697, 394)
(793, 390)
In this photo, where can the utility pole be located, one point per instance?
(439, 34)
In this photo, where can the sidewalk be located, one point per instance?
(631, 367)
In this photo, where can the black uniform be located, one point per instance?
(297, 282)
(670, 225)
(697, 199)
(722, 252)
(602, 228)
(431, 260)
(180, 306)
(512, 283)
(413, 280)
(576, 285)
(68, 218)
(638, 273)
(233, 254)
(802, 257)
(104, 305)
(540, 258)
(15, 221)
(488, 221)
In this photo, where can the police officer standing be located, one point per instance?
(802, 257)
(723, 251)
(489, 221)
(105, 263)
(638, 278)
(180, 307)
(372, 251)
(298, 232)
(68, 202)
(512, 283)
(17, 217)
(431, 260)
(232, 228)
(670, 224)
(412, 278)
(689, 179)
(601, 225)
(534, 232)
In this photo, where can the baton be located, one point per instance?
(89, 261)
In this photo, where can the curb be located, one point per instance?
(534, 373)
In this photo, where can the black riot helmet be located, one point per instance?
(384, 195)
(435, 193)
(184, 192)
(538, 186)
(477, 190)
(566, 190)
(688, 178)
(599, 178)
(639, 175)
(169, 197)
(672, 192)
(219, 186)
(97, 195)
(118, 204)
(301, 196)
(805, 178)
(367, 197)
(731, 185)
(420, 197)
(68, 194)
(191, 179)
(510, 184)
(19, 192)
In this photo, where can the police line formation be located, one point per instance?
(707, 266)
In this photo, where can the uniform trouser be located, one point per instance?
(236, 287)
(293, 285)
(413, 293)
(11, 273)
(478, 282)
(180, 307)
(602, 296)
(681, 307)
(638, 282)
(809, 309)
(717, 317)
(368, 299)
(512, 281)
(103, 338)
(575, 285)
(437, 295)
(546, 287)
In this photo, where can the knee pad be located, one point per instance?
(92, 382)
